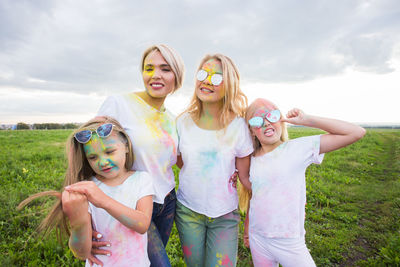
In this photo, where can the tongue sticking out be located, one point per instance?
(269, 132)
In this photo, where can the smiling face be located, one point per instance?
(158, 77)
(269, 133)
(107, 156)
(205, 90)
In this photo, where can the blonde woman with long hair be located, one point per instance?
(213, 136)
(102, 191)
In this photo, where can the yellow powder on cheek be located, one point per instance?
(148, 73)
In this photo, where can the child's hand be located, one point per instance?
(295, 116)
(74, 205)
(90, 190)
(233, 179)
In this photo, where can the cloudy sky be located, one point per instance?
(341, 59)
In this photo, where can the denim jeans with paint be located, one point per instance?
(207, 241)
(160, 229)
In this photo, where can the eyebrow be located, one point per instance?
(162, 65)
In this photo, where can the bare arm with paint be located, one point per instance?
(75, 207)
(340, 133)
(137, 219)
(243, 167)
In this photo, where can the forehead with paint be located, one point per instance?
(262, 107)
(97, 143)
(154, 59)
(212, 66)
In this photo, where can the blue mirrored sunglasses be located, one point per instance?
(102, 131)
(216, 78)
(272, 116)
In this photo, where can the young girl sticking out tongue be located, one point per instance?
(277, 176)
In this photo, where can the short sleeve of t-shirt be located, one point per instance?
(146, 185)
(245, 145)
(309, 146)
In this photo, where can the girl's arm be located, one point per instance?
(243, 167)
(75, 207)
(136, 219)
(340, 133)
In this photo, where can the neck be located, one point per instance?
(270, 147)
(115, 181)
(152, 101)
(209, 117)
(212, 109)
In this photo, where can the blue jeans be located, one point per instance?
(160, 229)
(207, 241)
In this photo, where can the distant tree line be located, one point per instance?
(46, 126)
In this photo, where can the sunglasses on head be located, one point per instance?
(216, 78)
(102, 131)
(272, 116)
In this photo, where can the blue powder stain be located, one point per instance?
(207, 159)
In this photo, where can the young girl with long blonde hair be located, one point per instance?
(213, 136)
(277, 176)
(102, 190)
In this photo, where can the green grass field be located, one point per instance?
(353, 202)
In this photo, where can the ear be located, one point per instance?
(126, 148)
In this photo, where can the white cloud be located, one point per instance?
(78, 48)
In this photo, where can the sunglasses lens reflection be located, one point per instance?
(202, 75)
(256, 122)
(83, 136)
(216, 79)
(274, 116)
(104, 130)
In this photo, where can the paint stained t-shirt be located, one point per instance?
(277, 206)
(209, 161)
(128, 248)
(153, 135)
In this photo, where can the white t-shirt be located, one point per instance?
(153, 135)
(277, 206)
(209, 161)
(128, 248)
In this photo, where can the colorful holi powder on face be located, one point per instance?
(148, 71)
(106, 156)
(187, 251)
(212, 66)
